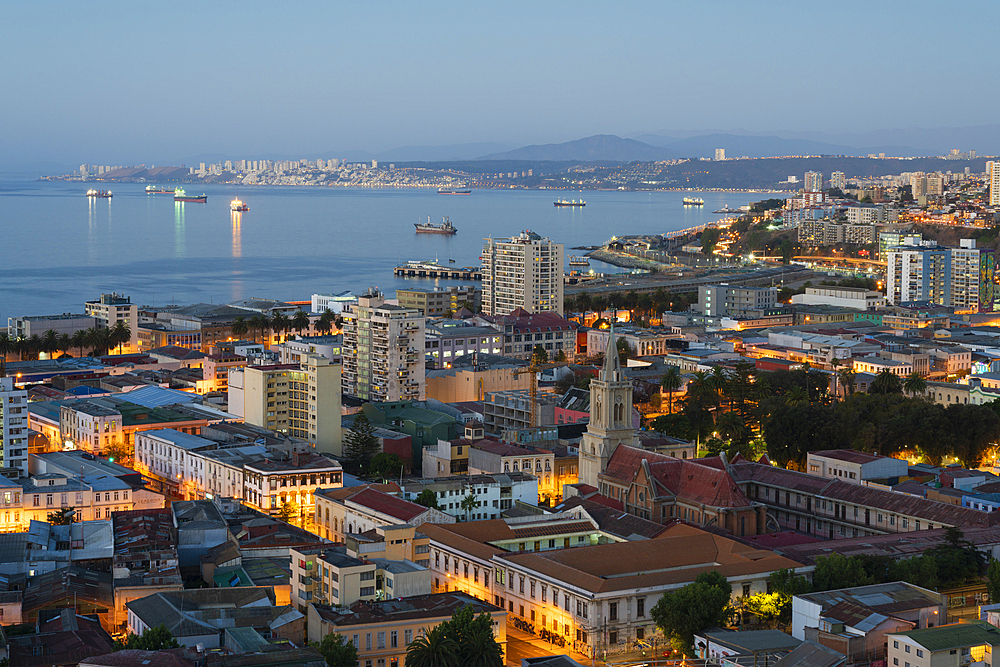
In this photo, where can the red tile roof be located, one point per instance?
(392, 506)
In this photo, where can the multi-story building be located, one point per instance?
(301, 400)
(887, 240)
(439, 301)
(993, 180)
(113, 308)
(383, 350)
(919, 273)
(444, 344)
(858, 298)
(968, 643)
(871, 215)
(293, 350)
(856, 467)
(729, 301)
(838, 180)
(492, 457)
(523, 331)
(25, 327)
(13, 425)
(826, 232)
(336, 577)
(362, 508)
(720, 154)
(381, 631)
(492, 493)
(966, 272)
(813, 181)
(524, 271)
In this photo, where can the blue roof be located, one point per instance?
(156, 397)
(84, 390)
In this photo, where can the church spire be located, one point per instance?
(612, 365)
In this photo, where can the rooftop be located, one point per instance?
(435, 605)
(954, 635)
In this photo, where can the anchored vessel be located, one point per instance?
(448, 190)
(237, 205)
(158, 190)
(693, 201)
(103, 194)
(564, 202)
(180, 196)
(430, 228)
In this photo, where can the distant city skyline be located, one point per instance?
(117, 83)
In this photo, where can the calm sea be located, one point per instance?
(60, 248)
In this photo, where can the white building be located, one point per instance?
(993, 179)
(383, 350)
(113, 308)
(855, 467)
(838, 180)
(492, 493)
(870, 215)
(25, 327)
(814, 181)
(720, 154)
(876, 365)
(919, 273)
(13, 425)
(337, 303)
(844, 297)
(524, 271)
(965, 276)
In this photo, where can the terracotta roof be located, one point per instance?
(698, 483)
(392, 506)
(625, 461)
(478, 537)
(675, 558)
(612, 520)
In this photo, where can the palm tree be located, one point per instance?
(300, 321)
(468, 504)
(720, 382)
(914, 384)
(35, 345)
(671, 382)
(848, 379)
(600, 303)
(325, 323)
(80, 340)
(6, 347)
(259, 322)
(886, 382)
(279, 324)
(239, 327)
(583, 302)
(120, 334)
(50, 342)
(434, 649)
(65, 343)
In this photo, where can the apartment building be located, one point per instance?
(113, 308)
(871, 215)
(383, 350)
(336, 577)
(68, 323)
(493, 457)
(439, 301)
(381, 631)
(856, 467)
(301, 400)
(887, 240)
(13, 425)
(445, 344)
(969, 643)
(524, 271)
(358, 509)
(919, 273)
(828, 232)
(492, 493)
(843, 297)
(729, 301)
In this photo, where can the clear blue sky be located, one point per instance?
(124, 82)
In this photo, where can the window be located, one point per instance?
(368, 590)
(613, 614)
(920, 653)
(381, 639)
(640, 608)
(906, 648)
(407, 637)
(368, 641)
(613, 637)
(394, 639)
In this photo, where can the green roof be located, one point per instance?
(133, 414)
(955, 635)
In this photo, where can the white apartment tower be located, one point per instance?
(814, 181)
(720, 154)
(524, 271)
(113, 308)
(919, 273)
(838, 180)
(610, 417)
(383, 350)
(993, 178)
(13, 425)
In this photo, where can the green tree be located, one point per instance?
(360, 443)
(837, 571)
(539, 355)
(427, 498)
(152, 639)
(786, 581)
(624, 351)
(770, 608)
(433, 649)
(709, 238)
(338, 651)
(473, 635)
(671, 382)
(886, 382)
(386, 465)
(239, 327)
(561, 356)
(993, 579)
(288, 511)
(300, 321)
(914, 384)
(118, 452)
(6, 347)
(683, 612)
(62, 517)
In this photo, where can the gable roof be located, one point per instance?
(383, 503)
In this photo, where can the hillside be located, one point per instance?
(600, 147)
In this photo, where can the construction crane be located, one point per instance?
(534, 367)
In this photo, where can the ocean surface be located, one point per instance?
(59, 248)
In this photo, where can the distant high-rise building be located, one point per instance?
(814, 181)
(993, 178)
(84, 171)
(374, 164)
(383, 350)
(918, 184)
(720, 154)
(524, 271)
(919, 273)
(13, 425)
(838, 180)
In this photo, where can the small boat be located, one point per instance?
(430, 228)
(575, 260)
(693, 201)
(103, 194)
(451, 261)
(564, 202)
(158, 190)
(198, 199)
(237, 205)
(448, 190)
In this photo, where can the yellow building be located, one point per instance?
(452, 385)
(381, 631)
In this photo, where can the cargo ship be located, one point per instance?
(578, 261)
(693, 201)
(103, 194)
(430, 228)
(454, 191)
(237, 205)
(564, 202)
(158, 190)
(180, 196)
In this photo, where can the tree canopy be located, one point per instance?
(427, 498)
(465, 640)
(153, 639)
(688, 610)
(338, 651)
(360, 444)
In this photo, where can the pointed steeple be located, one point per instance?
(612, 366)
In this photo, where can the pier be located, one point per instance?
(432, 270)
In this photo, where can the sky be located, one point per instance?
(147, 82)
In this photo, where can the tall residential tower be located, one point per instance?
(524, 271)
